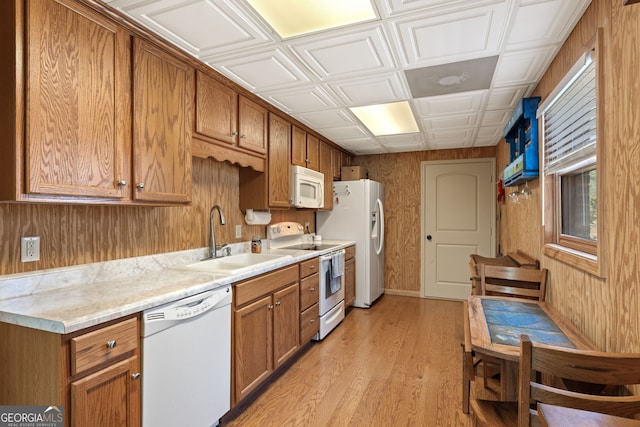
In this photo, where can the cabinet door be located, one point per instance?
(77, 102)
(279, 154)
(349, 281)
(313, 152)
(326, 167)
(162, 88)
(216, 110)
(253, 121)
(253, 351)
(109, 397)
(337, 163)
(286, 323)
(298, 147)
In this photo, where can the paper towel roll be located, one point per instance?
(257, 218)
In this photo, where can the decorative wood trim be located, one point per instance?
(204, 150)
(628, 2)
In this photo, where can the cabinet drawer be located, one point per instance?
(263, 285)
(309, 291)
(309, 267)
(350, 252)
(97, 347)
(309, 323)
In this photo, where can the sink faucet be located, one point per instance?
(212, 243)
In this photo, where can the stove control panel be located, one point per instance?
(283, 229)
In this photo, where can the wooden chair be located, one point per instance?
(511, 282)
(578, 370)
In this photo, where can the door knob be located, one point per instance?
(428, 236)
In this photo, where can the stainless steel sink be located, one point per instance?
(236, 264)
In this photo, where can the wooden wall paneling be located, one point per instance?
(400, 174)
(622, 180)
(606, 310)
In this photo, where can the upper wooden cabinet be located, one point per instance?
(326, 167)
(270, 189)
(279, 152)
(337, 163)
(304, 149)
(216, 111)
(228, 126)
(76, 101)
(252, 125)
(90, 115)
(162, 93)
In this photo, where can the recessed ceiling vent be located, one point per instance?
(445, 79)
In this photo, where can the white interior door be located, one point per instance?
(457, 220)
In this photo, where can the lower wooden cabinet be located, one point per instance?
(109, 397)
(349, 276)
(266, 327)
(94, 375)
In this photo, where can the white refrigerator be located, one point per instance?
(358, 214)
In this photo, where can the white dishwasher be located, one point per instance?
(186, 361)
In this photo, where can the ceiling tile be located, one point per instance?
(377, 89)
(495, 117)
(450, 122)
(326, 119)
(507, 97)
(213, 26)
(454, 77)
(459, 103)
(523, 67)
(301, 100)
(472, 33)
(459, 137)
(345, 133)
(542, 22)
(347, 55)
(260, 71)
(396, 7)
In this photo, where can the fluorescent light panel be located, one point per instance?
(387, 119)
(291, 18)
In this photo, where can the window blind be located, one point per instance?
(569, 122)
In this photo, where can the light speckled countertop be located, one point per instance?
(68, 299)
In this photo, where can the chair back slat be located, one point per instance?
(579, 380)
(513, 281)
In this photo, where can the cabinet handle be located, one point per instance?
(111, 344)
(122, 182)
(312, 289)
(312, 267)
(278, 303)
(135, 376)
(234, 133)
(270, 307)
(140, 185)
(312, 321)
(243, 136)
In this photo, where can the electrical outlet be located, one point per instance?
(306, 226)
(238, 231)
(30, 249)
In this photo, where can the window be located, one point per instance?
(569, 127)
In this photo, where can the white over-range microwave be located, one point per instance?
(307, 188)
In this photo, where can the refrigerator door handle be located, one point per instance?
(380, 226)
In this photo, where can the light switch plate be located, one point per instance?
(238, 231)
(30, 249)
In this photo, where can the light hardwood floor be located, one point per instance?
(395, 364)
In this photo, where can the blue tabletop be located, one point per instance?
(507, 320)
